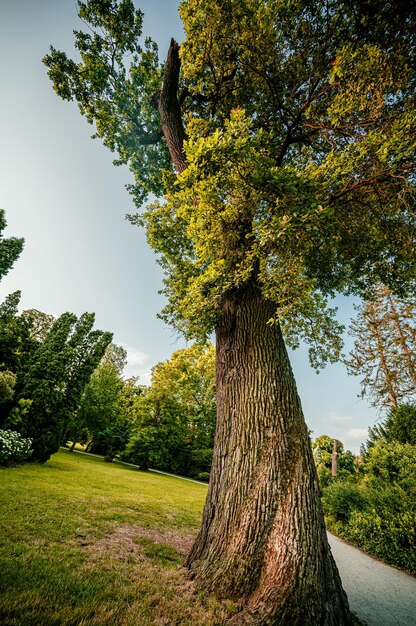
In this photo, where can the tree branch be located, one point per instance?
(169, 108)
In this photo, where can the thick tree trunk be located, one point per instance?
(263, 541)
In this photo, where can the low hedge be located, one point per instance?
(377, 517)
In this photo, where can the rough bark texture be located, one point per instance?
(263, 540)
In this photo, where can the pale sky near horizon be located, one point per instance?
(62, 193)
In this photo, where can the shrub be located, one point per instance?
(340, 499)
(390, 536)
(377, 516)
(13, 447)
(393, 462)
(203, 477)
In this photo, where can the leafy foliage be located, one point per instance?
(39, 323)
(378, 512)
(117, 97)
(175, 418)
(7, 383)
(393, 463)
(341, 499)
(10, 248)
(379, 519)
(55, 377)
(298, 171)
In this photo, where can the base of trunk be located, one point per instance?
(263, 541)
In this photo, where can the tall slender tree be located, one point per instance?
(100, 406)
(10, 250)
(55, 377)
(282, 137)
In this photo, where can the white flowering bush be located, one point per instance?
(13, 447)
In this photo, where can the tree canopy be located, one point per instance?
(297, 161)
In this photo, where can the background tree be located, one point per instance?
(39, 323)
(10, 248)
(20, 336)
(175, 417)
(13, 333)
(384, 352)
(289, 126)
(322, 448)
(55, 377)
(99, 419)
(132, 389)
(399, 426)
(188, 379)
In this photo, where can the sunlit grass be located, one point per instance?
(86, 542)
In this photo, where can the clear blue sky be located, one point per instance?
(62, 193)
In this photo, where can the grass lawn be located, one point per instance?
(86, 542)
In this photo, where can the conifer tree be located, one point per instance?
(384, 352)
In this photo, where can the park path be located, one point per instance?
(379, 594)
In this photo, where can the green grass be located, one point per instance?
(86, 542)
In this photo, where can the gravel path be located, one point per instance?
(380, 595)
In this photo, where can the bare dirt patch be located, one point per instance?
(125, 541)
(149, 563)
(180, 542)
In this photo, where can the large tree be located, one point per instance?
(281, 134)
